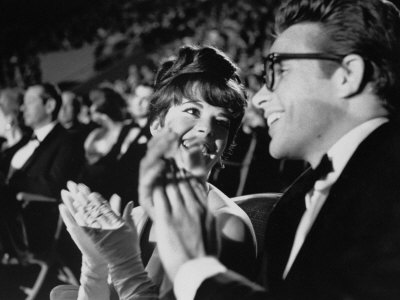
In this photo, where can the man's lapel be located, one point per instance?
(349, 186)
(41, 148)
(283, 223)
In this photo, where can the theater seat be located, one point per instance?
(46, 256)
(258, 207)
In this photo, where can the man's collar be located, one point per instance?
(344, 148)
(43, 131)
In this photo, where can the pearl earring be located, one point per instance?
(221, 164)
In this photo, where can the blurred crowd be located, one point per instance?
(160, 27)
(99, 135)
(156, 28)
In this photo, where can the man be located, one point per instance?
(69, 112)
(331, 95)
(51, 157)
(135, 146)
(138, 104)
(41, 167)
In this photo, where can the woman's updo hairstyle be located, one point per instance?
(199, 71)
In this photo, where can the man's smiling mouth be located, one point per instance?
(273, 117)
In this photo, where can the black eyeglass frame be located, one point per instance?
(273, 58)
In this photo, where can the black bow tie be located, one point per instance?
(307, 180)
(324, 168)
(34, 137)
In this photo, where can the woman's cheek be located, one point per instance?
(179, 125)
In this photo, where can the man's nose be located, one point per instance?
(261, 98)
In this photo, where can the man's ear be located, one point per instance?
(155, 126)
(9, 120)
(50, 105)
(351, 75)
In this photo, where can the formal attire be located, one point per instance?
(100, 175)
(340, 241)
(42, 166)
(128, 165)
(53, 158)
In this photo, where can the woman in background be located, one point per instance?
(107, 143)
(12, 245)
(13, 131)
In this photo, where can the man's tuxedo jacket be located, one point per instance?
(57, 159)
(352, 250)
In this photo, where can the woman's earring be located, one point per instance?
(8, 126)
(221, 164)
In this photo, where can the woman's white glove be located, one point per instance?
(116, 240)
(94, 270)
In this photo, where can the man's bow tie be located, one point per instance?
(309, 178)
(34, 137)
(324, 168)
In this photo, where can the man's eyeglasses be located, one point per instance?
(273, 59)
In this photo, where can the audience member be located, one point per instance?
(138, 104)
(41, 166)
(127, 177)
(198, 104)
(330, 98)
(70, 110)
(69, 114)
(105, 144)
(50, 158)
(11, 128)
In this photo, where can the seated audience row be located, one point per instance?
(38, 154)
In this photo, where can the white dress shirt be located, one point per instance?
(23, 154)
(191, 274)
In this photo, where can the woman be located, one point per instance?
(12, 245)
(11, 127)
(107, 143)
(197, 97)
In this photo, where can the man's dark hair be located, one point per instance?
(369, 28)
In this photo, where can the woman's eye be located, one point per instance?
(192, 111)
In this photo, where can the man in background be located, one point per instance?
(41, 167)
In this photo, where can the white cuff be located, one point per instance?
(192, 274)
